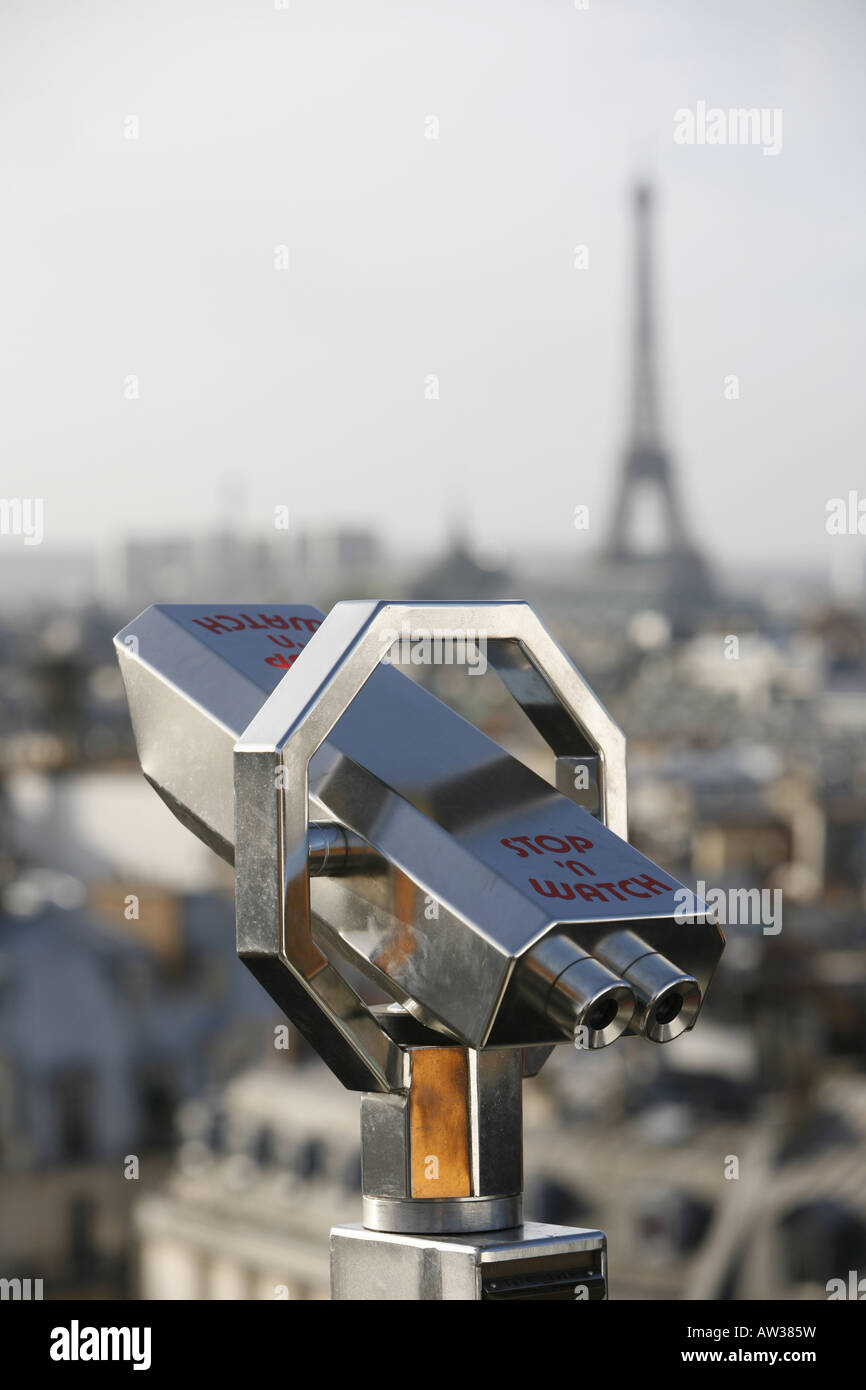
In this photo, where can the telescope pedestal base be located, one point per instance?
(530, 1262)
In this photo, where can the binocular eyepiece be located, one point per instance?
(667, 999)
(595, 998)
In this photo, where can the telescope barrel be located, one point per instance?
(577, 993)
(668, 999)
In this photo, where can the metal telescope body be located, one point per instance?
(377, 835)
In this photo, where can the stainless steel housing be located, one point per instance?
(373, 830)
(456, 862)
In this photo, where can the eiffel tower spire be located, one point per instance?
(646, 463)
(644, 419)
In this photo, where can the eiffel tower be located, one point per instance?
(677, 569)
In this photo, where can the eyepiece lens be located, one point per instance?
(669, 1008)
(599, 1016)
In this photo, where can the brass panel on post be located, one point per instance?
(439, 1122)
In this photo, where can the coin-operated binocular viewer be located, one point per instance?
(378, 835)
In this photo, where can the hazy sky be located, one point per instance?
(261, 127)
